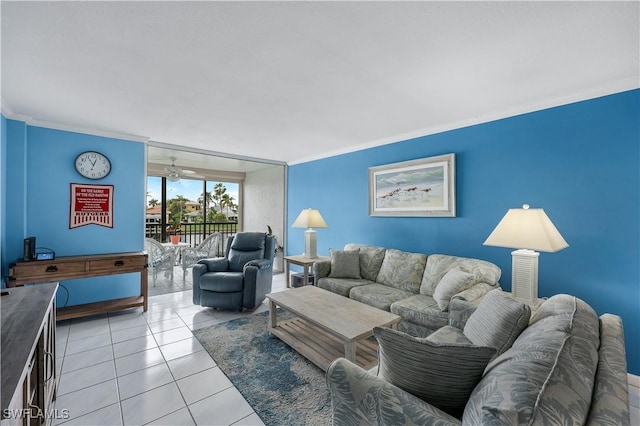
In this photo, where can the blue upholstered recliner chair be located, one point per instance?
(239, 280)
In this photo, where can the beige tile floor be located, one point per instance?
(134, 368)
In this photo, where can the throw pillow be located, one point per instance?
(498, 321)
(371, 258)
(345, 264)
(444, 375)
(402, 270)
(452, 283)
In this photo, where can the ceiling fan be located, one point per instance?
(175, 173)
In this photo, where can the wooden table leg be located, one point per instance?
(144, 288)
(350, 350)
(273, 314)
(305, 274)
(287, 270)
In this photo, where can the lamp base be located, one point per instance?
(310, 244)
(524, 275)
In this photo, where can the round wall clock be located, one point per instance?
(93, 165)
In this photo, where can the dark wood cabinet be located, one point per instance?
(73, 267)
(28, 359)
(47, 365)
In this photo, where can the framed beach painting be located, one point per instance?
(423, 187)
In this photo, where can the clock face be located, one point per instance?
(93, 165)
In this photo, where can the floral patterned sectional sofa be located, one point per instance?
(561, 365)
(417, 287)
(489, 360)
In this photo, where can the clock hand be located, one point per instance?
(93, 163)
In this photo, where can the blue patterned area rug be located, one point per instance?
(282, 386)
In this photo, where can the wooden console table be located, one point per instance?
(73, 267)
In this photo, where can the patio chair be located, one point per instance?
(206, 249)
(160, 259)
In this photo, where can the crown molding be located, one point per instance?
(6, 109)
(9, 113)
(12, 115)
(610, 88)
(93, 132)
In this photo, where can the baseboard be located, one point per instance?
(634, 380)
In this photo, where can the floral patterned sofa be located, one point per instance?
(566, 366)
(417, 287)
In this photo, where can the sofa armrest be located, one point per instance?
(198, 270)
(257, 282)
(610, 399)
(459, 312)
(258, 263)
(475, 293)
(358, 397)
(465, 303)
(215, 264)
(321, 269)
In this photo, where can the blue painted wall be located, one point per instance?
(579, 162)
(13, 192)
(40, 163)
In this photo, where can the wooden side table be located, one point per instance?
(303, 261)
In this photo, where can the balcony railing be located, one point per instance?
(194, 233)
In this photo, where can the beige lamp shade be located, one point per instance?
(309, 218)
(527, 228)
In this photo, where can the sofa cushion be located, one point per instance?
(378, 295)
(422, 310)
(548, 373)
(345, 264)
(402, 270)
(452, 283)
(246, 246)
(439, 264)
(371, 258)
(341, 286)
(498, 321)
(222, 282)
(443, 375)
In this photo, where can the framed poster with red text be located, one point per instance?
(91, 204)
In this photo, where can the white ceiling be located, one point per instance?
(293, 81)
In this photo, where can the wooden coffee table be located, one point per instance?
(328, 326)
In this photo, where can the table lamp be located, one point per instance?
(310, 218)
(527, 230)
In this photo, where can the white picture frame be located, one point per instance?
(422, 187)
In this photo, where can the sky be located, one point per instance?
(188, 188)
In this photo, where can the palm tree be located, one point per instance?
(227, 201)
(153, 202)
(218, 191)
(205, 199)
